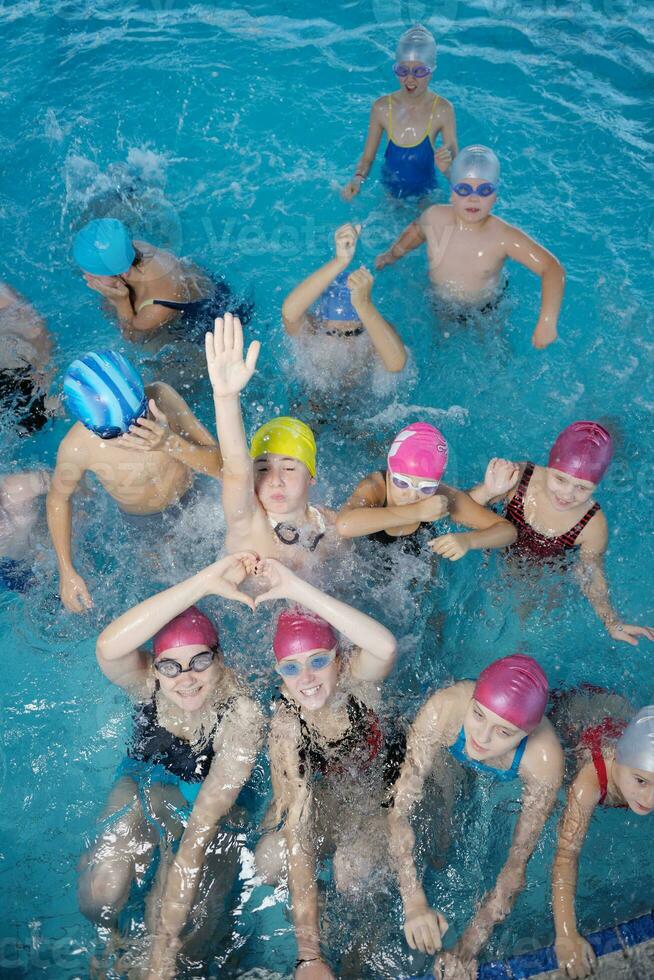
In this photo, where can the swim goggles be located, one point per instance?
(426, 487)
(403, 72)
(465, 190)
(318, 661)
(198, 663)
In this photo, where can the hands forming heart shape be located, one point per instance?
(225, 577)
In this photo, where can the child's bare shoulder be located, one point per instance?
(436, 216)
(380, 108)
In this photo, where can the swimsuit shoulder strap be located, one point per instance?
(146, 302)
(390, 117)
(431, 116)
(574, 532)
(519, 495)
(517, 758)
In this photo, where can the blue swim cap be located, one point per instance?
(336, 302)
(104, 248)
(105, 393)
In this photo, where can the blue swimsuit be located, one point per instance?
(458, 750)
(409, 170)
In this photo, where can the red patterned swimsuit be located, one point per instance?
(529, 541)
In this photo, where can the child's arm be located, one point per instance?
(590, 573)
(175, 430)
(303, 296)
(373, 139)
(69, 470)
(491, 530)
(377, 645)
(229, 373)
(529, 253)
(134, 325)
(500, 478)
(424, 927)
(540, 790)
(575, 955)
(450, 147)
(412, 237)
(384, 337)
(235, 754)
(365, 512)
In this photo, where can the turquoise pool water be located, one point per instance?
(225, 133)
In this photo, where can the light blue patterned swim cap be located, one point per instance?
(105, 393)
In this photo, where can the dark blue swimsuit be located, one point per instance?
(458, 750)
(409, 171)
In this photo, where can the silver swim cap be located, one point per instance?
(477, 162)
(635, 747)
(417, 44)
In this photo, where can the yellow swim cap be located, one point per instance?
(286, 437)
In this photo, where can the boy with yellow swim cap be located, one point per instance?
(265, 488)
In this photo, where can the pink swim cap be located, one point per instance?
(188, 629)
(299, 631)
(583, 450)
(516, 689)
(419, 450)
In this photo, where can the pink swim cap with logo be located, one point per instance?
(299, 631)
(583, 450)
(516, 689)
(190, 628)
(419, 450)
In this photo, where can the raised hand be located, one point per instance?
(278, 577)
(229, 373)
(501, 477)
(147, 435)
(360, 283)
(224, 576)
(424, 929)
(345, 241)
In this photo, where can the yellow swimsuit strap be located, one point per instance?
(146, 302)
(426, 132)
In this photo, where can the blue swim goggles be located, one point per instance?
(318, 661)
(465, 190)
(403, 72)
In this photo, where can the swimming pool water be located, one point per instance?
(226, 133)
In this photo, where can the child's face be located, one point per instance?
(312, 689)
(188, 691)
(488, 736)
(400, 497)
(281, 483)
(414, 87)
(637, 787)
(473, 208)
(565, 491)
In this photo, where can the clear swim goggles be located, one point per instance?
(426, 487)
(198, 663)
(403, 72)
(318, 661)
(465, 190)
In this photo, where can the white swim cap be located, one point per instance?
(478, 162)
(417, 44)
(636, 746)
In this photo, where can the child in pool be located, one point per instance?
(346, 308)
(333, 760)
(616, 769)
(142, 443)
(495, 726)
(467, 245)
(20, 509)
(266, 488)
(196, 737)
(26, 350)
(554, 513)
(412, 119)
(148, 287)
(397, 503)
